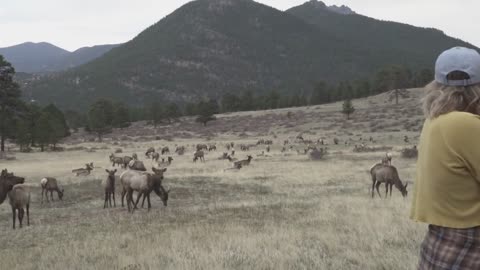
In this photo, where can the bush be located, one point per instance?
(316, 154)
(410, 152)
(118, 151)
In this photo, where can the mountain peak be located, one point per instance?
(344, 10)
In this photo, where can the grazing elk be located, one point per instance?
(50, 184)
(165, 150)
(199, 155)
(144, 183)
(84, 171)
(212, 147)
(109, 188)
(224, 156)
(116, 160)
(389, 175)
(149, 152)
(137, 165)
(19, 198)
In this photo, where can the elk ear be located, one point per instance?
(114, 171)
(107, 171)
(406, 185)
(164, 170)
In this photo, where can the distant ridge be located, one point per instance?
(44, 57)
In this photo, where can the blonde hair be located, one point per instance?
(441, 99)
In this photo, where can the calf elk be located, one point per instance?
(109, 188)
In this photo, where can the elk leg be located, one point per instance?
(377, 187)
(51, 195)
(386, 189)
(129, 199)
(20, 216)
(28, 214)
(123, 196)
(105, 201)
(14, 215)
(113, 194)
(373, 187)
(138, 198)
(391, 187)
(143, 201)
(148, 201)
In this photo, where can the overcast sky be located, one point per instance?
(71, 24)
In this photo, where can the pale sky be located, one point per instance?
(71, 24)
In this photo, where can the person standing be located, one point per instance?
(447, 187)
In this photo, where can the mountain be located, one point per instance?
(33, 57)
(410, 44)
(44, 57)
(211, 47)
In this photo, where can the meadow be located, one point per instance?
(284, 211)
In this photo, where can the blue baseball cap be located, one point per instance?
(458, 59)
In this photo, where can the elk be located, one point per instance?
(201, 147)
(242, 163)
(387, 160)
(165, 150)
(199, 155)
(7, 181)
(109, 187)
(50, 184)
(389, 175)
(84, 171)
(144, 183)
(155, 156)
(136, 165)
(126, 160)
(134, 156)
(149, 151)
(116, 160)
(180, 150)
(19, 198)
(212, 147)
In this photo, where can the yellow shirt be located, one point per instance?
(447, 187)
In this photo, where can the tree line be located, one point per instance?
(30, 125)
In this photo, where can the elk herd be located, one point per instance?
(136, 178)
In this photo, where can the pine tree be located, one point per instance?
(10, 101)
(207, 111)
(347, 108)
(100, 117)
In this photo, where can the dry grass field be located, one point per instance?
(284, 211)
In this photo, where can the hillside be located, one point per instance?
(211, 47)
(44, 57)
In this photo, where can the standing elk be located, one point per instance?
(212, 147)
(199, 155)
(19, 198)
(50, 184)
(165, 150)
(149, 152)
(116, 160)
(201, 147)
(180, 150)
(389, 175)
(387, 160)
(155, 156)
(7, 181)
(109, 188)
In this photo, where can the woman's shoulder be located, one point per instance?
(458, 118)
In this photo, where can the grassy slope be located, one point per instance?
(283, 212)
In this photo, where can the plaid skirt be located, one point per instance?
(450, 249)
